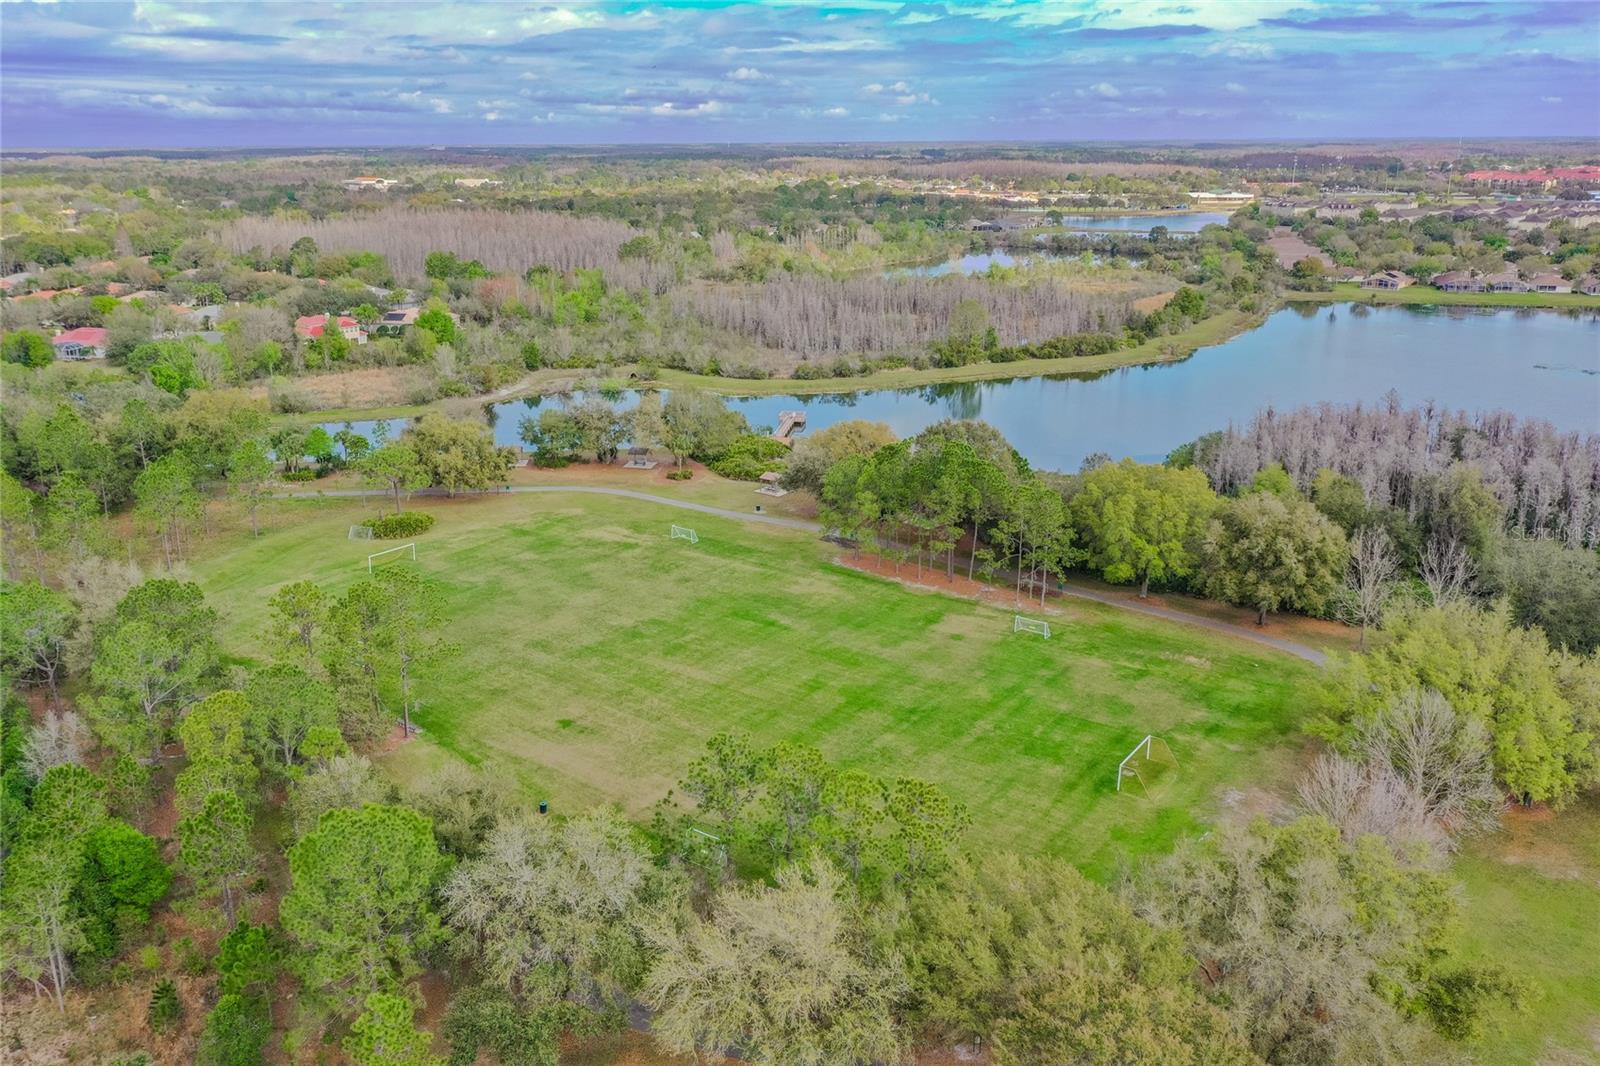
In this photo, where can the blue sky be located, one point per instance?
(160, 74)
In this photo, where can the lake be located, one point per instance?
(978, 262)
(1181, 222)
(1536, 364)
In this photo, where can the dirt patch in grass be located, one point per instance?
(376, 386)
(937, 580)
(1524, 840)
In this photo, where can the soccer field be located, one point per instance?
(598, 654)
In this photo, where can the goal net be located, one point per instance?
(1149, 761)
(388, 552)
(685, 533)
(360, 533)
(1019, 624)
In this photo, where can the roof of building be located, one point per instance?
(93, 336)
(313, 325)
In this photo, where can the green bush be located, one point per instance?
(300, 475)
(165, 1007)
(404, 524)
(681, 475)
(750, 456)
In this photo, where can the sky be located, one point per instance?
(217, 74)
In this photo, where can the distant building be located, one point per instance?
(1222, 198)
(1504, 281)
(366, 182)
(85, 342)
(1549, 282)
(1457, 281)
(1389, 279)
(1590, 286)
(478, 183)
(313, 326)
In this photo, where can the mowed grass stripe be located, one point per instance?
(597, 655)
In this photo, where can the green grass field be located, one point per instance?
(598, 655)
(1532, 903)
(1426, 294)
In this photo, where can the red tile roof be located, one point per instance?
(313, 325)
(93, 336)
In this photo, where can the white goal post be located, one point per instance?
(685, 533)
(1145, 746)
(412, 547)
(1019, 624)
(360, 533)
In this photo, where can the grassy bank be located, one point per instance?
(1214, 330)
(1422, 296)
(598, 656)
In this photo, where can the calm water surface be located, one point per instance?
(1536, 364)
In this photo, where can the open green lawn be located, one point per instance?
(1532, 903)
(1427, 294)
(598, 655)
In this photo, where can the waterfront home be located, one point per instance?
(1389, 279)
(1590, 286)
(1549, 282)
(1504, 281)
(1457, 281)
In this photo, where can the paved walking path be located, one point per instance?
(1290, 647)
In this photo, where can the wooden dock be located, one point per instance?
(789, 423)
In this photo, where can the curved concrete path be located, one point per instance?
(1289, 647)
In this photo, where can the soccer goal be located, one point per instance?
(705, 849)
(412, 548)
(1019, 624)
(685, 533)
(360, 533)
(1143, 764)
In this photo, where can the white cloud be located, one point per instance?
(837, 112)
(704, 107)
(1235, 49)
(440, 106)
(1103, 89)
(1234, 87)
(746, 74)
(1551, 99)
(876, 87)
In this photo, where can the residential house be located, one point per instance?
(366, 182)
(85, 342)
(478, 183)
(1389, 279)
(1504, 281)
(1590, 286)
(1457, 281)
(312, 327)
(1222, 198)
(400, 317)
(1549, 282)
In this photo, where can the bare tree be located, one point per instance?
(59, 739)
(1368, 798)
(1370, 578)
(1444, 757)
(1447, 569)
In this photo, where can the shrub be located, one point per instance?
(165, 1008)
(681, 475)
(300, 475)
(750, 456)
(404, 524)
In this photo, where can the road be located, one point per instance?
(1289, 647)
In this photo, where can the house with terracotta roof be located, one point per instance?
(1456, 281)
(1389, 279)
(1504, 281)
(85, 342)
(1549, 281)
(312, 326)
